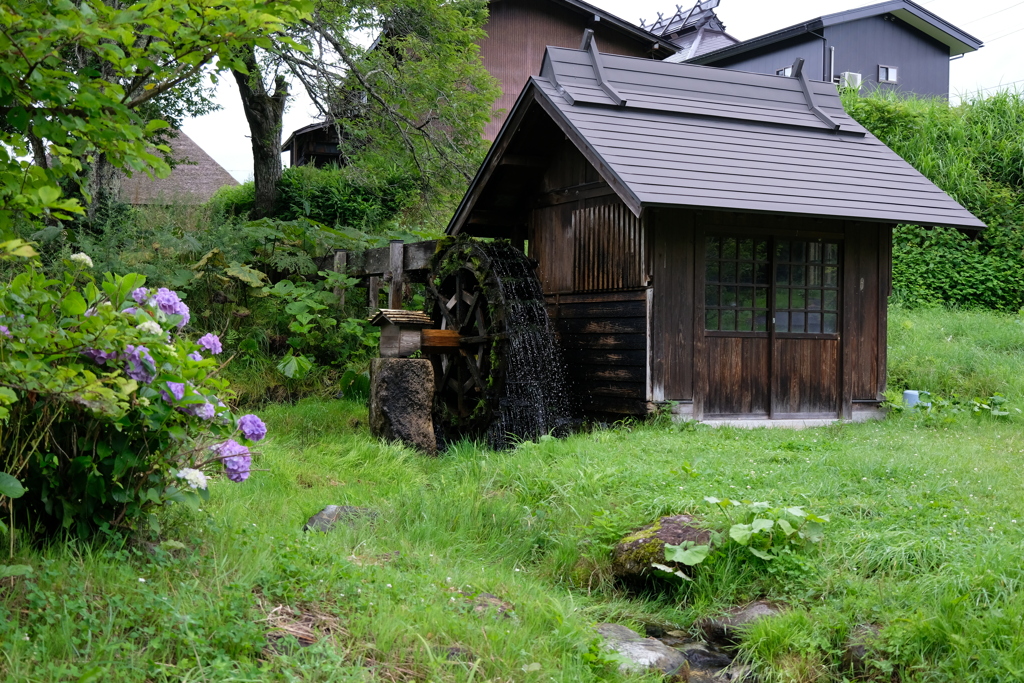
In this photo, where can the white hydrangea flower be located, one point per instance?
(83, 258)
(150, 326)
(194, 478)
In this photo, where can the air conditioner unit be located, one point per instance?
(850, 79)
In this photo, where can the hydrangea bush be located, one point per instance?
(108, 409)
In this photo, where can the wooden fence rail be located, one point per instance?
(393, 265)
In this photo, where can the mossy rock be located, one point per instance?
(633, 555)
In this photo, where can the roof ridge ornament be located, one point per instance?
(588, 44)
(798, 73)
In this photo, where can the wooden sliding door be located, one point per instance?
(771, 326)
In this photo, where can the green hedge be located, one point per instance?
(975, 152)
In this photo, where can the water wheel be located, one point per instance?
(504, 380)
(467, 299)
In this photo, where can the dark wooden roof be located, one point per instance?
(664, 134)
(398, 316)
(958, 41)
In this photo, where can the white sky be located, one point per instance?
(999, 64)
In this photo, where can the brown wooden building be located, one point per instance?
(518, 31)
(714, 238)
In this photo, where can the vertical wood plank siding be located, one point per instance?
(672, 274)
(736, 372)
(806, 378)
(609, 249)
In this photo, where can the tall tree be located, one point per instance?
(417, 98)
(264, 110)
(140, 52)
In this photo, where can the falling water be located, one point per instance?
(537, 399)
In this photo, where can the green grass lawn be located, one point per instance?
(925, 541)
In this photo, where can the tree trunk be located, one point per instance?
(265, 113)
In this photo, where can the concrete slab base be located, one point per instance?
(740, 423)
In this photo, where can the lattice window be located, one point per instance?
(807, 287)
(738, 289)
(736, 284)
(609, 249)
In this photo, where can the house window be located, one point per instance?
(741, 274)
(806, 287)
(886, 74)
(737, 281)
(787, 71)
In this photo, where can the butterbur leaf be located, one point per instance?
(10, 487)
(740, 533)
(786, 527)
(797, 512)
(688, 553)
(813, 532)
(762, 554)
(8, 570)
(761, 524)
(669, 570)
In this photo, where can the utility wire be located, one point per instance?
(1001, 85)
(989, 42)
(993, 14)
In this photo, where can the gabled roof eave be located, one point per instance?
(958, 41)
(530, 94)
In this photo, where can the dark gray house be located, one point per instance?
(714, 238)
(896, 44)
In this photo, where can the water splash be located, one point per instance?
(537, 399)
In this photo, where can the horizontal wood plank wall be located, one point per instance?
(737, 368)
(672, 277)
(603, 337)
(806, 378)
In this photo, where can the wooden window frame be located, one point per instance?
(772, 310)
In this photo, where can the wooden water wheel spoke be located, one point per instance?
(473, 365)
(445, 312)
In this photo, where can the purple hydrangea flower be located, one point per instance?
(211, 343)
(99, 357)
(141, 366)
(169, 302)
(140, 295)
(252, 427)
(5, 332)
(131, 310)
(177, 390)
(236, 459)
(195, 355)
(206, 411)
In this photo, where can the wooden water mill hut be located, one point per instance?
(716, 239)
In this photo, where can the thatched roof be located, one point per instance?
(193, 181)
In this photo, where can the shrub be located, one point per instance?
(107, 409)
(975, 152)
(332, 196)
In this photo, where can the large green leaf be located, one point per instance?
(73, 304)
(294, 367)
(688, 553)
(740, 533)
(249, 276)
(10, 487)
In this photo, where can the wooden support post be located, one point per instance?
(374, 294)
(340, 262)
(397, 274)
